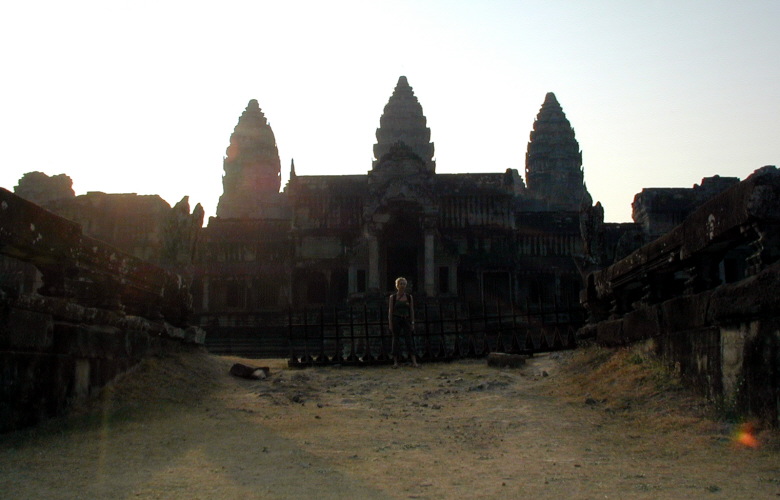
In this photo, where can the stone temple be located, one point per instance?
(327, 239)
(91, 284)
(330, 240)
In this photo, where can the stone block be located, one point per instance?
(90, 341)
(641, 323)
(137, 343)
(33, 386)
(587, 332)
(195, 335)
(748, 299)
(610, 333)
(174, 332)
(756, 386)
(27, 330)
(81, 377)
(685, 313)
(696, 355)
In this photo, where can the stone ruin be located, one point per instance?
(93, 314)
(326, 240)
(706, 294)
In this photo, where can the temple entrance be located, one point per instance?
(403, 251)
(402, 261)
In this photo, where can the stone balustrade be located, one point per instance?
(708, 295)
(97, 313)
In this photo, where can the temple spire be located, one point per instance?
(252, 166)
(403, 121)
(553, 161)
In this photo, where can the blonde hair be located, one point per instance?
(400, 279)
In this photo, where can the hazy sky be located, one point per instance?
(142, 96)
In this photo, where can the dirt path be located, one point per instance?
(180, 427)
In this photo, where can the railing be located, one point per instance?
(359, 335)
(86, 271)
(727, 239)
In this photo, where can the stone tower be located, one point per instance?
(403, 121)
(553, 162)
(252, 167)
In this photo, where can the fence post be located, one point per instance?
(306, 359)
(428, 353)
(442, 340)
(514, 344)
(322, 358)
(337, 357)
(457, 351)
(367, 356)
(500, 336)
(293, 361)
(472, 339)
(352, 358)
(529, 341)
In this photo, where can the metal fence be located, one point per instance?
(359, 335)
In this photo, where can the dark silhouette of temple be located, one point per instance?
(326, 239)
(106, 279)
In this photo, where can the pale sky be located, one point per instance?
(142, 96)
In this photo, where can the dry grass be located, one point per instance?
(632, 384)
(591, 423)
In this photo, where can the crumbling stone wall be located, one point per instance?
(708, 293)
(97, 313)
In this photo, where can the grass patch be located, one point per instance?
(632, 383)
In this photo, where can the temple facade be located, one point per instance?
(329, 239)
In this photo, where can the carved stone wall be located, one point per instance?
(97, 312)
(472, 237)
(659, 210)
(144, 226)
(707, 294)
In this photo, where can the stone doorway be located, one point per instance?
(401, 261)
(403, 247)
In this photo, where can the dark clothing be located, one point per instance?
(401, 308)
(402, 325)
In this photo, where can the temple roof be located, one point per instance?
(252, 167)
(553, 161)
(252, 134)
(552, 129)
(403, 121)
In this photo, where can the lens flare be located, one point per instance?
(745, 436)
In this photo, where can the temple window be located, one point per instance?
(235, 293)
(361, 280)
(444, 279)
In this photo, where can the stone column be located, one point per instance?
(373, 263)
(205, 293)
(428, 265)
(454, 279)
(351, 279)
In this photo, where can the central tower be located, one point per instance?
(252, 167)
(403, 121)
(553, 161)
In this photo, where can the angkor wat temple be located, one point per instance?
(328, 238)
(91, 284)
(331, 239)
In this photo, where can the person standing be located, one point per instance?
(400, 319)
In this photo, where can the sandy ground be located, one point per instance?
(571, 425)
